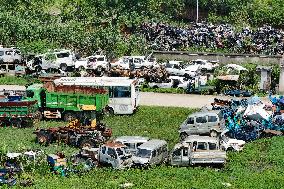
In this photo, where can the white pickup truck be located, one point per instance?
(197, 149)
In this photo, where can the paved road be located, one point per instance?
(179, 100)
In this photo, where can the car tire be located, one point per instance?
(213, 133)
(81, 68)
(63, 67)
(183, 136)
(108, 112)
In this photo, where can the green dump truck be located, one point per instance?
(67, 102)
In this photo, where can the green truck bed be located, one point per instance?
(75, 102)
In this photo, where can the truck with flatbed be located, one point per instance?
(197, 149)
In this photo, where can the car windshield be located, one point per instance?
(144, 153)
(63, 55)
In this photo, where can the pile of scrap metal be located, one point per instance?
(249, 120)
(75, 134)
(278, 104)
(14, 164)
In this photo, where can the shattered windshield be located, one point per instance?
(144, 153)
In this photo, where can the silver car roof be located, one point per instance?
(131, 139)
(153, 144)
(198, 138)
(205, 113)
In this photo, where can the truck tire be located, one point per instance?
(108, 112)
(63, 66)
(86, 143)
(16, 123)
(38, 116)
(43, 139)
(69, 116)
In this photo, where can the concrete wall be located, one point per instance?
(281, 79)
(222, 58)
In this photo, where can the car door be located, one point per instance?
(201, 124)
(191, 125)
(112, 158)
(176, 156)
(185, 155)
(212, 122)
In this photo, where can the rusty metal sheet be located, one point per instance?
(79, 89)
(229, 77)
(17, 104)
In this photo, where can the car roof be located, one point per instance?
(114, 144)
(152, 144)
(199, 138)
(205, 113)
(132, 139)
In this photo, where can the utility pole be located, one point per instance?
(281, 78)
(197, 11)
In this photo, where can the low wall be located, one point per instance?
(222, 58)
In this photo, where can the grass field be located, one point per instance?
(260, 165)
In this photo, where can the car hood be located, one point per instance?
(236, 141)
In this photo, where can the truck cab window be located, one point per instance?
(30, 94)
(177, 152)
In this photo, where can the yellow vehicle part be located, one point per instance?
(88, 107)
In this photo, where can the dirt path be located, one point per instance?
(179, 100)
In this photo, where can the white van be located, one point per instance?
(151, 153)
(132, 142)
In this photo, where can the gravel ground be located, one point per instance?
(181, 100)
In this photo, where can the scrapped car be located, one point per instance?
(197, 150)
(134, 62)
(114, 155)
(231, 144)
(204, 64)
(10, 55)
(174, 68)
(201, 123)
(151, 153)
(58, 59)
(238, 93)
(172, 82)
(132, 142)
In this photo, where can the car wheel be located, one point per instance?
(63, 67)
(81, 68)
(213, 133)
(183, 136)
(108, 112)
